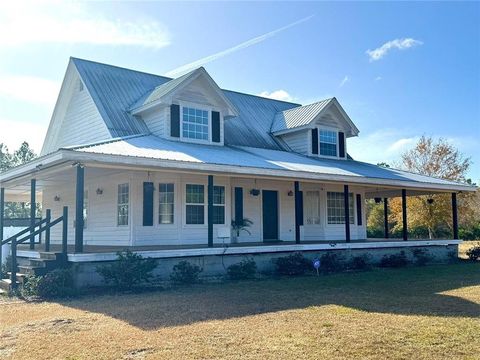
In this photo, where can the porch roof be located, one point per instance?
(152, 152)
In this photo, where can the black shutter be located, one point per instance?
(147, 204)
(359, 209)
(175, 120)
(215, 126)
(315, 141)
(341, 144)
(238, 205)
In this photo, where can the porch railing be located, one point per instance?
(44, 226)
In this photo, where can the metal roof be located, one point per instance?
(239, 156)
(299, 116)
(115, 90)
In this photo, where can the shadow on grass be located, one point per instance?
(408, 291)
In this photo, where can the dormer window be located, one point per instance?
(328, 142)
(195, 124)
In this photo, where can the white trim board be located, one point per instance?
(159, 254)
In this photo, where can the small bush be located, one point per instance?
(473, 253)
(360, 262)
(185, 273)
(422, 256)
(55, 284)
(292, 265)
(394, 260)
(128, 270)
(245, 269)
(331, 262)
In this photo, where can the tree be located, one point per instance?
(20, 156)
(437, 159)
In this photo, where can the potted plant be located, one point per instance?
(237, 227)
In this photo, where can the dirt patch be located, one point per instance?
(138, 354)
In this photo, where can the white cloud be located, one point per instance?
(195, 64)
(344, 81)
(400, 44)
(401, 144)
(277, 95)
(378, 78)
(30, 89)
(24, 23)
(14, 132)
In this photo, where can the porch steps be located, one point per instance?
(48, 261)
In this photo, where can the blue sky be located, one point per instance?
(400, 70)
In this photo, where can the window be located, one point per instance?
(195, 204)
(219, 205)
(166, 203)
(195, 124)
(328, 143)
(312, 208)
(336, 208)
(85, 208)
(122, 204)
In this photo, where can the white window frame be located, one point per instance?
(324, 128)
(174, 203)
(352, 213)
(118, 205)
(318, 207)
(85, 208)
(208, 109)
(205, 201)
(221, 205)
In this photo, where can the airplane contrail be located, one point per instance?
(195, 64)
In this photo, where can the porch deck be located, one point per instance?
(108, 253)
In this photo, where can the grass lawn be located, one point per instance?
(430, 312)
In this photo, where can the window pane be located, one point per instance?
(195, 214)
(336, 208)
(195, 194)
(195, 123)
(166, 203)
(122, 204)
(218, 195)
(328, 143)
(219, 215)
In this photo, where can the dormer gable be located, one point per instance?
(190, 108)
(318, 129)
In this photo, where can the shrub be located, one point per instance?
(422, 256)
(294, 264)
(331, 262)
(394, 260)
(185, 273)
(55, 284)
(245, 269)
(360, 262)
(473, 253)
(128, 270)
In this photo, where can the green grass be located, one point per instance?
(428, 312)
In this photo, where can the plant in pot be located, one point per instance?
(239, 226)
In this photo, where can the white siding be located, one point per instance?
(298, 141)
(101, 226)
(82, 122)
(156, 121)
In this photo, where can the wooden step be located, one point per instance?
(20, 277)
(52, 255)
(6, 284)
(32, 270)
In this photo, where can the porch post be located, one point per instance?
(2, 214)
(79, 208)
(455, 216)
(385, 216)
(347, 213)
(404, 214)
(33, 204)
(298, 211)
(210, 210)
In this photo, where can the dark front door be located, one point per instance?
(270, 215)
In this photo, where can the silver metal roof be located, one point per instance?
(115, 90)
(240, 156)
(298, 116)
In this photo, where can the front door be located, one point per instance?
(270, 215)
